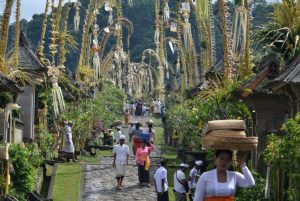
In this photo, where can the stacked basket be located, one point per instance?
(227, 134)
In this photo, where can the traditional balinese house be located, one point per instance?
(269, 109)
(288, 83)
(28, 62)
(11, 128)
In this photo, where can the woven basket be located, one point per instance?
(226, 133)
(230, 124)
(117, 123)
(231, 143)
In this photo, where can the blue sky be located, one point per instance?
(31, 7)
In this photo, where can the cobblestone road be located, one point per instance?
(100, 182)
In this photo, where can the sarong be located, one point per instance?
(228, 198)
(120, 170)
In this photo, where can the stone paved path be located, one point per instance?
(100, 182)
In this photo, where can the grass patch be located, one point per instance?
(159, 135)
(68, 176)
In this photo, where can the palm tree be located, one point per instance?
(4, 33)
(281, 36)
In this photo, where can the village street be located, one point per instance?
(100, 182)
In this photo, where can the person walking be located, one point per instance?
(151, 131)
(135, 137)
(126, 117)
(119, 133)
(161, 182)
(181, 183)
(68, 143)
(194, 175)
(143, 162)
(121, 155)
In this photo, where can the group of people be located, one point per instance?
(141, 150)
(218, 184)
(140, 108)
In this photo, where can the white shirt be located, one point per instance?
(208, 185)
(121, 152)
(178, 186)
(160, 174)
(119, 133)
(194, 174)
(67, 133)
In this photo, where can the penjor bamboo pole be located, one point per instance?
(17, 35)
(62, 57)
(248, 40)
(43, 34)
(4, 34)
(226, 41)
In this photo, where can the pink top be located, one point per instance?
(141, 154)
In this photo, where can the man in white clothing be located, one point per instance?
(194, 175)
(180, 183)
(161, 182)
(119, 133)
(121, 155)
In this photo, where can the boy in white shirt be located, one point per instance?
(180, 181)
(161, 182)
(194, 175)
(121, 155)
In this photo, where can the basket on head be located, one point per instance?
(227, 134)
(117, 123)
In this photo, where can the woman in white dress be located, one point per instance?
(220, 184)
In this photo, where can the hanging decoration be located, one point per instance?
(173, 27)
(130, 3)
(95, 49)
(186, 7)
(57, 96)
(77, 15)
(110, 17)
(171, 46)
(156, 36)
(187, 32)
(166, 12)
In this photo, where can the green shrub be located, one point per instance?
(23, 177)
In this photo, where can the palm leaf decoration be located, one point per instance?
(281, 36)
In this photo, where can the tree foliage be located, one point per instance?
(283, 153)
(106, 107)
(282, 34)
(23, 177)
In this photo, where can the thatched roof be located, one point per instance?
(267, 71)
(8, 85)
(28, 60)
(291, 74)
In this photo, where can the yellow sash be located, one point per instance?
(147, 163)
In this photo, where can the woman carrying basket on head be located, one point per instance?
(220, 184)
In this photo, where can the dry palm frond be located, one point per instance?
(87, 71)
(70, 41)
(23, 77)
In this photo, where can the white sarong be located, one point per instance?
(120, 170)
